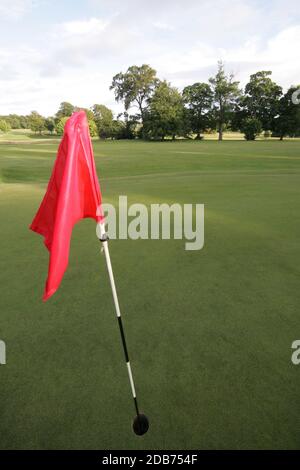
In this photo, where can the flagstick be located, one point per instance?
(140, 423)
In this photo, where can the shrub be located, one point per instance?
(251, 127)
(4, 126)
(61, 125)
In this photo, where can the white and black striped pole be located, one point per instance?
(140, 422)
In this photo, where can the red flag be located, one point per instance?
(73, 193)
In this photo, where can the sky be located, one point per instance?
(69, 50)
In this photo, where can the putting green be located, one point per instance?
(209, 332)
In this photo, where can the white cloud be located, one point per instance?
(76, 58)
(18, 62)
(279, 54)
(92, 26)
(14, 9)
(163, 26)
(96, 40)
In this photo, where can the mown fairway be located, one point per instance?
(209, 332)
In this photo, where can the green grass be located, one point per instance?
(209, 332)
(25, 136)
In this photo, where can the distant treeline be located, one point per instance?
(161, 110)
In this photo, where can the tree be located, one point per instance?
(129, 124)
(261, 98)
(92, 128)
(60, 125)
(118, 129)
(36, 122)
(24, 123)
(103, 117)
(225, 92)
(287, 122)
(121, 130)
(14, 121)
(4, 126)
(198, 99)
(50, 125)
(165, 113)
(65, 110)
(135, 87)
(251, 127)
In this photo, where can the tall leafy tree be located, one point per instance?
(198, 99)
(24, 122)
(135, 87)
(103, 118)
(226, 92)
(287, 122)
(65, 110)
(118, 129)
(14, 121)
(165, 113)
(129, 124)
(36, 122)
(50, 124)
(261, 99)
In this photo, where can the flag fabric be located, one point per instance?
(73, 193)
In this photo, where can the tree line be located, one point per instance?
(155, 110)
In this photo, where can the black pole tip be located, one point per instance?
(140, 424)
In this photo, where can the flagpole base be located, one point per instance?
(140, 424)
